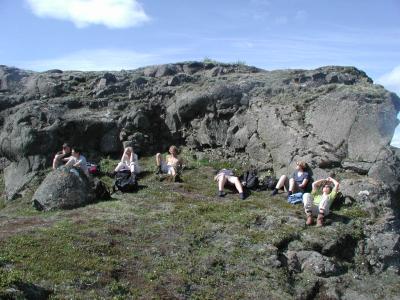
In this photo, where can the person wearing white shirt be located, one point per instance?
(129, 161)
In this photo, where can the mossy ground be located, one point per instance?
(168, 240)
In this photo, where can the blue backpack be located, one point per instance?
(295, 198)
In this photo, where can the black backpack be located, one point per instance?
(101, 191)
(125, 181)
(249, 179)
(269, 183)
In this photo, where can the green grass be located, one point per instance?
(168, 240)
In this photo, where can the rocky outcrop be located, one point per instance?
(334, 118)
(19, 173)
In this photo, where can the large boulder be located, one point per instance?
(311, 261)
(63, 188)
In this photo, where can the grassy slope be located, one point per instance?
(169, 240)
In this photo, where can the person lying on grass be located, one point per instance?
(226, 176)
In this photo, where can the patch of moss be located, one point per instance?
(354, 212)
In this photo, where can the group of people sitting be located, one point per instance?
(72, 157)
(316, 203)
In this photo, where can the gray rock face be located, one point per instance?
(313, 262)
(18, 174)
(63, 189)
(334, 118)
(383, 250)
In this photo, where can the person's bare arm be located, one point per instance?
(304, 183)
(125, 154)
(335, 183)
(317, 183)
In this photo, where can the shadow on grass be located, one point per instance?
(336, 218)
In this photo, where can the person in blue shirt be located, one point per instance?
(77, 160)
(297, 183)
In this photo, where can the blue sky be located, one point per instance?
(271, 34)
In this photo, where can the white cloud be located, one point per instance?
(391, 80)
(396, 141)
(110, 13)
(396, 137)
(94, 60)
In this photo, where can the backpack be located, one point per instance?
(125, 181)
(101, 191)
(249, 179)
(295, 198)
(268, 183)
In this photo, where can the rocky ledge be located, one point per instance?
(332, 117)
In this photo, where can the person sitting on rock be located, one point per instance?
(59, 157)
(297, 183)
(129, 161)
(171, 165)
(77, 160)
(317, 204)
(226, 176)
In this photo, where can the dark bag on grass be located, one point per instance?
(249, 179)
(125, 181)
(269, 183)
(101, 190)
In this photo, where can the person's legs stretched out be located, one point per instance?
(282, 182)
(308, 208)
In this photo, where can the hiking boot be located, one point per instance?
(36, 204)
(221, 194)
(274, 192)
(320, 220)
(176, 178)
(309, 220)
(242, 196)
(158, 170)
(162, 177)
